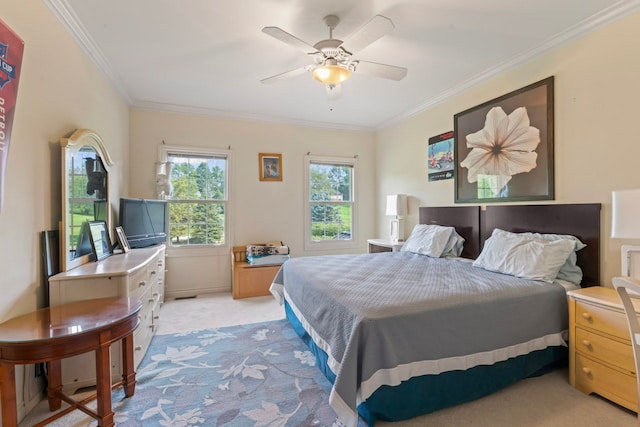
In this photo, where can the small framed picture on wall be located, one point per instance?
(270, 166)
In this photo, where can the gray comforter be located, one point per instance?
(383, 318)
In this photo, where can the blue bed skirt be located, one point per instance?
(428, 393)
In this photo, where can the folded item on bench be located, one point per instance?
(267, 259)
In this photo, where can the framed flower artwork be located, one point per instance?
(504, 147)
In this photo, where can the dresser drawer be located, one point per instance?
(139, 282)
(602, 319)
(602, 348)
(141, 340)
(594, 377)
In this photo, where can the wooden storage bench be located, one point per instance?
(247, 280)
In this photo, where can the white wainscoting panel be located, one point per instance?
(191, 272)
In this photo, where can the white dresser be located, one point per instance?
(137, 274)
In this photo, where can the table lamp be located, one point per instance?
(396, 207)
(625, 223)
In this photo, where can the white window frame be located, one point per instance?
(352, 243)
(200, 250)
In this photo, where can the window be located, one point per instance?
(198, 202)
(330, 202)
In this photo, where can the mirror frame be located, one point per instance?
(70, 146)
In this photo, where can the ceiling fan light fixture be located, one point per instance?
(331, 74)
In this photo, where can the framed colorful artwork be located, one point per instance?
(440, 162)
(504, 147)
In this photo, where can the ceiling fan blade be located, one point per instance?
(381, 70)
(289, 39)
(287, 74)
(377, 27)
(334, 91)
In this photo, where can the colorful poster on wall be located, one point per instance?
(11, 49)
(440, 157)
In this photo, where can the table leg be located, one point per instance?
(54, 384)
(8, 394)
(128, 370)
(103, 386)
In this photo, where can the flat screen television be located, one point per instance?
(144, 221)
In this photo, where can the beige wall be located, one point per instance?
(60, 90)
(261, 211)
(597, 89)
(597, 145)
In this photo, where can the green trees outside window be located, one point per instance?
(197, 204)
(331, 201)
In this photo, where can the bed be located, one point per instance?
(401, 334)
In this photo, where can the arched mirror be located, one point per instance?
(85, 194)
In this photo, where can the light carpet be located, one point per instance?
(546, 401)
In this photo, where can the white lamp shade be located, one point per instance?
(625, 223)
(396, 205)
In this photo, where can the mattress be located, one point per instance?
(398, 327)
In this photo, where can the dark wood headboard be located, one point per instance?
(580, 220)
(465, 219)
(475, 225)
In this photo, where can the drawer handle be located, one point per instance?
(587, 316)
(156, 317)
(151, 299)
(138, 348)
(151, 327)
(586, 343)
(143, 283)
(153, 272)
(155, 294)
(586, 370)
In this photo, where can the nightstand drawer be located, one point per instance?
(603, 348)
(602, 319)
(594, 377)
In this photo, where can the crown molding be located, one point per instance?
(599, 20)
(69, 19)
(210, 112)
(65, 14)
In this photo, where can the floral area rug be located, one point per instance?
(260, 374)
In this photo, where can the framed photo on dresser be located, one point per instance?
(121, 238)
(100, 242)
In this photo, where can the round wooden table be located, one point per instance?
(54, 333)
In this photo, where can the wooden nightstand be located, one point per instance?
(600, 354)
(383, 245)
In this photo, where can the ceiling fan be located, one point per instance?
(333, 60)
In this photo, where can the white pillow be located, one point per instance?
(432, 240)
(524, 255)
(570, 271)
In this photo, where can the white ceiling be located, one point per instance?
(208, 56)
